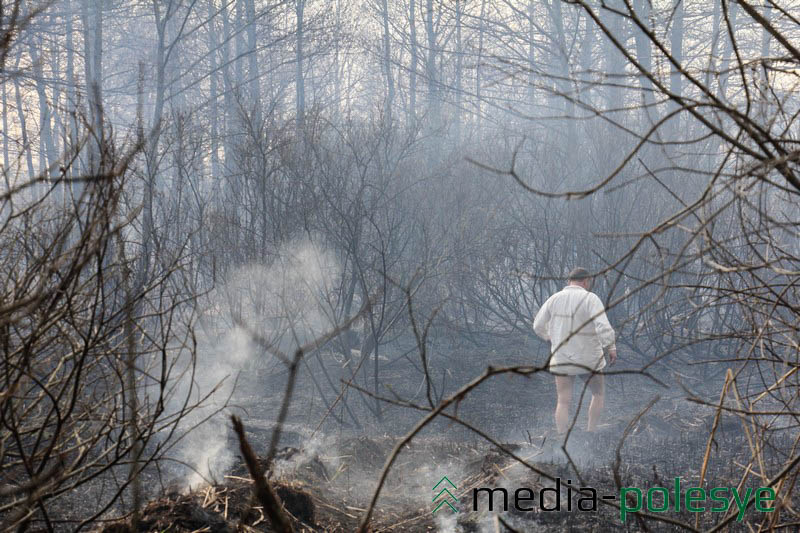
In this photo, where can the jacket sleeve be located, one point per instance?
(601, 324)
(541, 324)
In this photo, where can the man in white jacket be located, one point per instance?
(574, 321)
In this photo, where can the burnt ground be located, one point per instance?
(326, 476)
(328, 490)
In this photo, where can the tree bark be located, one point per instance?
(434, 103)
(387, 63)
(676, 48)
(252, 53)
(300, 89)
(412, 71)
(213, 104)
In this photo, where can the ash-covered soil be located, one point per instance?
(331, 457)
(327, 484)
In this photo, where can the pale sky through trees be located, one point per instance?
(492, 65)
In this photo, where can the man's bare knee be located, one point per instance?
(564, 389)
(597, 386)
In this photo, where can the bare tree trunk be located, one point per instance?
(478, 66)
(86, 22)
(766, 36)
(434, 102)
(564, 78)
(675, 79)
(614, 60)
(238, 65)
(676, 48)
(412, 71)
(715, 37)
(644, 57)
(587, 58)
(337, 69)
(23, 123)
(252, 51)
(48, 155)
(97, 66)
(93, 72)
(226, 78)
(300, 90)
(213, 104)
(55, 68)
(172, 62)
(530, 99)
(152, 156)
(724, 67)
(6, 168)
(459, 67)
(72, 98)
(230, 166)
(387, 63)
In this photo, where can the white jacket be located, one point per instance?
(574, 321)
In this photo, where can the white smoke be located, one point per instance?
(447, 523)
(285, 303)
(280, 305)
(205, 448)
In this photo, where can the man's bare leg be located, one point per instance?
(564, 392)
(597, 386)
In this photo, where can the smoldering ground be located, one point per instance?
(329, 457)
(278, 306)
(338, 473)
(333, 447)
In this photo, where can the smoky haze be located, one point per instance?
(194, 190)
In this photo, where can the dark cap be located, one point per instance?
(578, 273)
